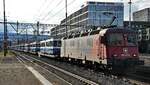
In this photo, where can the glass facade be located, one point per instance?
(101, 14)
(92, 14)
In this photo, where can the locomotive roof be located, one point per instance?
(101, 32)
(116, 30)
(120, 30)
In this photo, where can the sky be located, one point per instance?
(53, 11)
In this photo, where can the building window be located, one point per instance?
(132, 26)
(139, 38)
(140, 26)
(147, 37)
(92, 7)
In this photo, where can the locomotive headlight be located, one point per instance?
(134, 55)
(115, 55)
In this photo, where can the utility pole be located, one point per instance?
(17, 33)
(27, 40)
(37, 40)
(130, 3)
(66, 19)
(5, 30)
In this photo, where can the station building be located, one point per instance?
(90, 15)
(141, 20)
(142, 15)
(143, 30)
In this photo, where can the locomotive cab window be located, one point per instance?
(131, 40)
(103, 39)
(115, 39)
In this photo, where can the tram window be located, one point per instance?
(57, 43)
(43, 44)
(50, 43)
(34, 45)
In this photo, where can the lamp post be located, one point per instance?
(130, 14)
(5, 30)
(66, 18)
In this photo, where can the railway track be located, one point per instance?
(128, 79)
(25, 61)
(141, 73)
(85, 72)
(54, 69)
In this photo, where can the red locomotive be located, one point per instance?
(112, 47)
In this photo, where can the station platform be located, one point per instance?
(12, 72)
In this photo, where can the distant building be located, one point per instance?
(142, 18)
(143, 30)
(142, 15)
(140, 27)
(91, 14)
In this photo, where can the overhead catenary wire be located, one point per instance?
(54, 15)
(44, 6)
(39, 10)
(48, 13)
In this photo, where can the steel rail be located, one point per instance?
(89, 82)
(22, 61)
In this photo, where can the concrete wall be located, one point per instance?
(142, 15)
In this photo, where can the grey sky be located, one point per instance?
(52, 11)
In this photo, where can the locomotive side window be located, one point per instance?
(115, 39)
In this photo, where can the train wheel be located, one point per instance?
(96, 66)
(89, 64)
(72, 60)
(79, 62)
